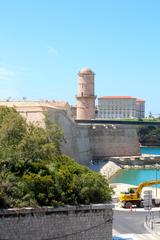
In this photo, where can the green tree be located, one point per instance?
(33, 171)
(149, 136)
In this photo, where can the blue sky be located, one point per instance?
(44, 43)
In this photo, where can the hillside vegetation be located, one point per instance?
(149, 136)
(33, 172)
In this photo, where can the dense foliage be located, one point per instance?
(149, 136)
(33, 172)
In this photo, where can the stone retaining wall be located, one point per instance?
(139, 161)
(88, 222)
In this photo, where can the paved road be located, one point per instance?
(130, 225)
(129, 222)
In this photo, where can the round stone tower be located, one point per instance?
(86, 97)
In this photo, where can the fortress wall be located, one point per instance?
(83, 142)
(84, 151)
(87, 222)
(77, 141)
(69, 146)
(76, 144)
(34, 117)
(119, 141)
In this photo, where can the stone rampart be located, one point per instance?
(88, 222)
(119, 140)
(83, 142)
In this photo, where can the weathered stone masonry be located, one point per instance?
(92, 222)
(84, 142)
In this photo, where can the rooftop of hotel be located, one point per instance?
(139, 100)
(117, 97)
(121, 97)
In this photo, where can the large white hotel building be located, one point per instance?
(120, 107)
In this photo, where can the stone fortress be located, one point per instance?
(83, 142)
(83, 222)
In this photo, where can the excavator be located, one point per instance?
(133, 196)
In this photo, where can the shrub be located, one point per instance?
(33, 172)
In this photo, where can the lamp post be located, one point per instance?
(156, 165)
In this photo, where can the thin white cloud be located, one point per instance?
(12, 67)
(6, 73)
(9, 81)
(11, 71)
(12, 80)
(8, 92)
(53, 50)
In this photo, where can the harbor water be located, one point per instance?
(133, 176)
(150, 150)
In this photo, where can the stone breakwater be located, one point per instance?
(86, 222)
(109, 169)
(142, 160)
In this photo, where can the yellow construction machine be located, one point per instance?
(133, 196)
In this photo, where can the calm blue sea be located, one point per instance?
(135, 176)
(150, 150)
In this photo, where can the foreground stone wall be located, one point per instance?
(92, 222)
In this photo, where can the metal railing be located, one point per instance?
(153, 221)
